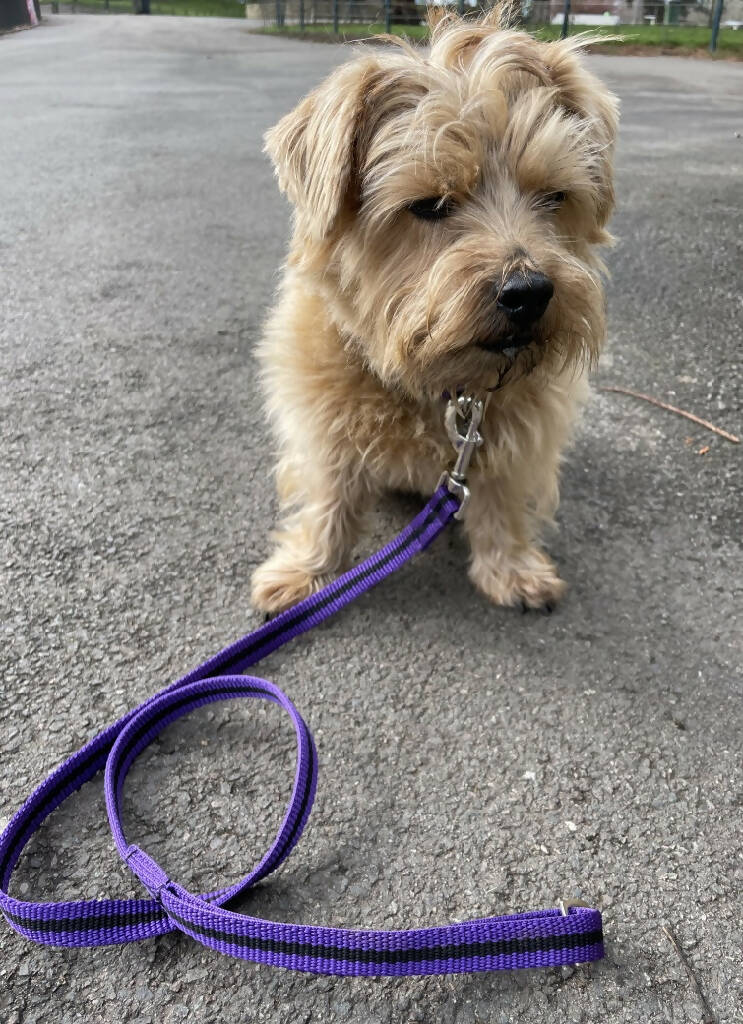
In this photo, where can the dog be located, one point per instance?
(449, 208)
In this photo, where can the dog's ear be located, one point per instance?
(313, 147)
(587, 96)
(602, 109)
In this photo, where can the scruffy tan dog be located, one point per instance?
(447, 211)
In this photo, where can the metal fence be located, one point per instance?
(560, 16)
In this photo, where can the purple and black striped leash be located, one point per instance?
(565, 935)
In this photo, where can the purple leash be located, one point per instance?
(542, 938)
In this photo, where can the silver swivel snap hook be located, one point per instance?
(462, 419)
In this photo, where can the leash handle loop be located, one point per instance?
(516, 940)
(165, 708)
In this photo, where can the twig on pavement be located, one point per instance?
(708, 1016)
(673, 408)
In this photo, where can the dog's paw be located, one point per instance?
(529, 582)
(277, 586)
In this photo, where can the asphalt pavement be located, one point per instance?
(473, 761)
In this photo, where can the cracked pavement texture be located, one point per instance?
(473, 760)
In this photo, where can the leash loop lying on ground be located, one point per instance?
(534, 939)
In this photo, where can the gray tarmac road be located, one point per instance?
(473, 761)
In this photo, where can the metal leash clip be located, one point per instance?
(469, 411)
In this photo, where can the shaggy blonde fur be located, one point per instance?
(380, 311)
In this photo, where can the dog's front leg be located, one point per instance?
(315, 541)
(507, 564)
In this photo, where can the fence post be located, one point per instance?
(387, 16)
(335, 16)
(301, 15)
(715, 26)
(566, 21)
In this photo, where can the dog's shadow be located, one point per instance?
(603, 499)
(442, 578)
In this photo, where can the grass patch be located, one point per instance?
(688, 37)
(187, 8)
(90, 7)
(199, 8)
(634, 37)
(347, 31)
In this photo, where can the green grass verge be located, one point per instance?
(682, 37)
(350, 31)
(193, 8)
(664, 36)
(199, 8)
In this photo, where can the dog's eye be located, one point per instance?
(432, 208)
(552, 200)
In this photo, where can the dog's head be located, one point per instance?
(449, 205)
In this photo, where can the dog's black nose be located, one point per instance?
(524, 296)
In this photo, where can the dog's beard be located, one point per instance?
(422, 363)
(486, 365)
(426, 352)
(477, 371)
